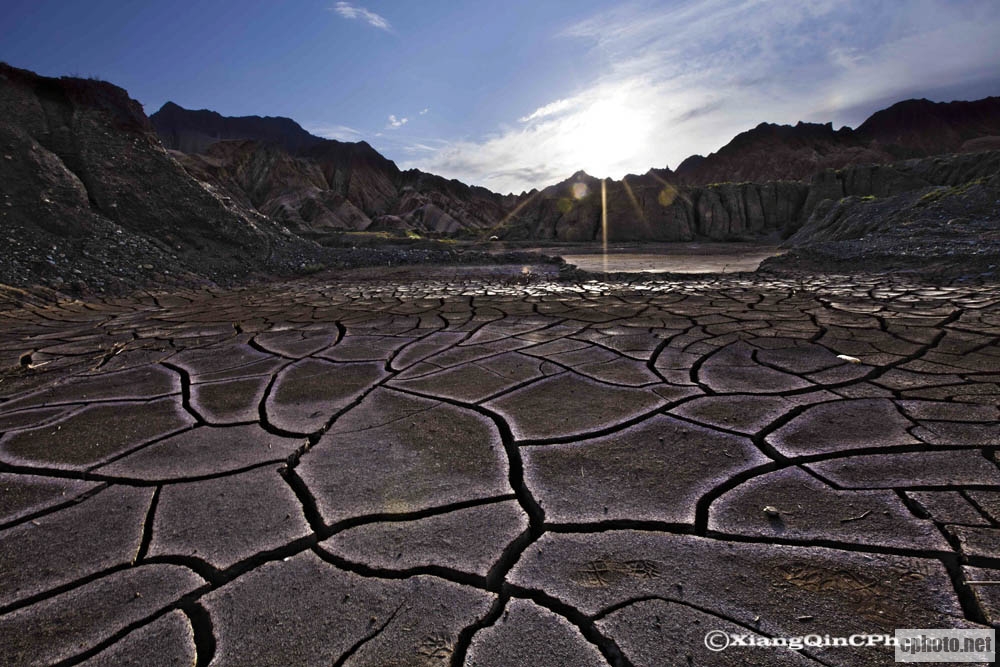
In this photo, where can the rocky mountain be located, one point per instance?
(316, 186)
(90, 194)
(912, 128)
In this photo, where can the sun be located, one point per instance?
(607, 135)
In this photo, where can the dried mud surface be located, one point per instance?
(485, 469)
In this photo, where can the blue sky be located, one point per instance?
(521, 94)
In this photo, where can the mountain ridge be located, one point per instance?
(914, 127)
(760, 184)
(907, 129)
(193, 130)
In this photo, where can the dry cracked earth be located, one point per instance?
(487, 473)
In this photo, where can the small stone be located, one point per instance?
(849, 359)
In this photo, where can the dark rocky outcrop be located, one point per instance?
(291, 190)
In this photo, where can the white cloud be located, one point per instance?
(338, 132)
(349, 11)
(686, 79)
(607, 130)
(424, 111)
(396, 123)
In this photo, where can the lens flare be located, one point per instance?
(667, 195)
(604, 221)
(517, 209)
(635, 203)
(580, 190)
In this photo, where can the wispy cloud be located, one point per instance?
(338, 132)
(418, 148)
(349, 11)
(685, 79)
(550, 109)
(424, 111)
(396, 123)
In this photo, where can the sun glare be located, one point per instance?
(607, 135)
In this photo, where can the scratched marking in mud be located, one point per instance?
(450, 472)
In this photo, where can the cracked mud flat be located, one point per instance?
(478, 472)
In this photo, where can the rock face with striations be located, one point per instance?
(650, 208)
(933, 215)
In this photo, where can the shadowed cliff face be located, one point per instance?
(294, 191)
(906, 197)
(934, 215)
